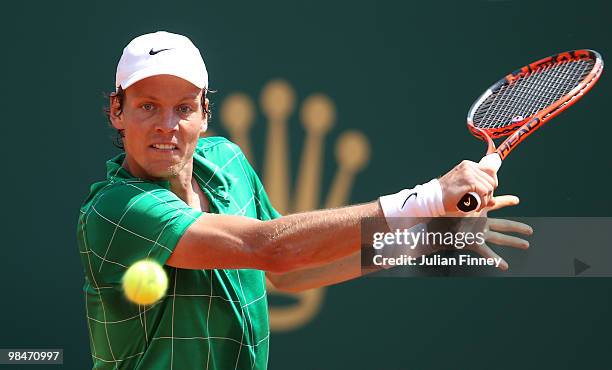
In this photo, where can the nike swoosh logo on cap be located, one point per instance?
(153, 52)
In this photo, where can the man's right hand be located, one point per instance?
(467, 177)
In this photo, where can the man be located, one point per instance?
(197, 207)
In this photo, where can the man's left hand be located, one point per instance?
(497, 230)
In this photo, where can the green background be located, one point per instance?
(401, 72)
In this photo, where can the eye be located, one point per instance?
(185, 109)
(147, 107)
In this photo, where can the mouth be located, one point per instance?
(164, 147)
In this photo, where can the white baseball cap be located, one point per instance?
(161, 53)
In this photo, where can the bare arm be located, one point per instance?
(349, 267)
(285, 244)
(340, 270)
(308, 239)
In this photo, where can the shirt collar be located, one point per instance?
(209, 175)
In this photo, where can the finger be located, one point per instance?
(484, 189)
(489, 171)
(502, 201)
(509, 226)
(491, 201)
(506, 240)
(487, 252)
(489, 176)
(490, 181)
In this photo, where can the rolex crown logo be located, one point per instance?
(317, 114)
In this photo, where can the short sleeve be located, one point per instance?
(133, 221)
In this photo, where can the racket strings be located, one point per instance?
(544, 90)
(527, 90)
(526, 96)
(562, 81)
(530, 94)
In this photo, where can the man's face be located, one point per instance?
(162, 119)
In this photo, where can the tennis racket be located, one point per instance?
(523, 101)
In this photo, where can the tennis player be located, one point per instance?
(197, 207)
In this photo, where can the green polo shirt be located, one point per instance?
(209, 319)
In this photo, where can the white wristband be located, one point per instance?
(422, 201)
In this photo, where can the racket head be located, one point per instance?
(525, 99)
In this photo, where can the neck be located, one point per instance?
(183, 185)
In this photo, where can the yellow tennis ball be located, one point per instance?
(145, 282)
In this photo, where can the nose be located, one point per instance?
(168, 121)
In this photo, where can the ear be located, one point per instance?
(204, 125)
(115, 113)
(206, 107)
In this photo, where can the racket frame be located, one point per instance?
(518, 131)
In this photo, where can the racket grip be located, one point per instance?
(471, 201)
